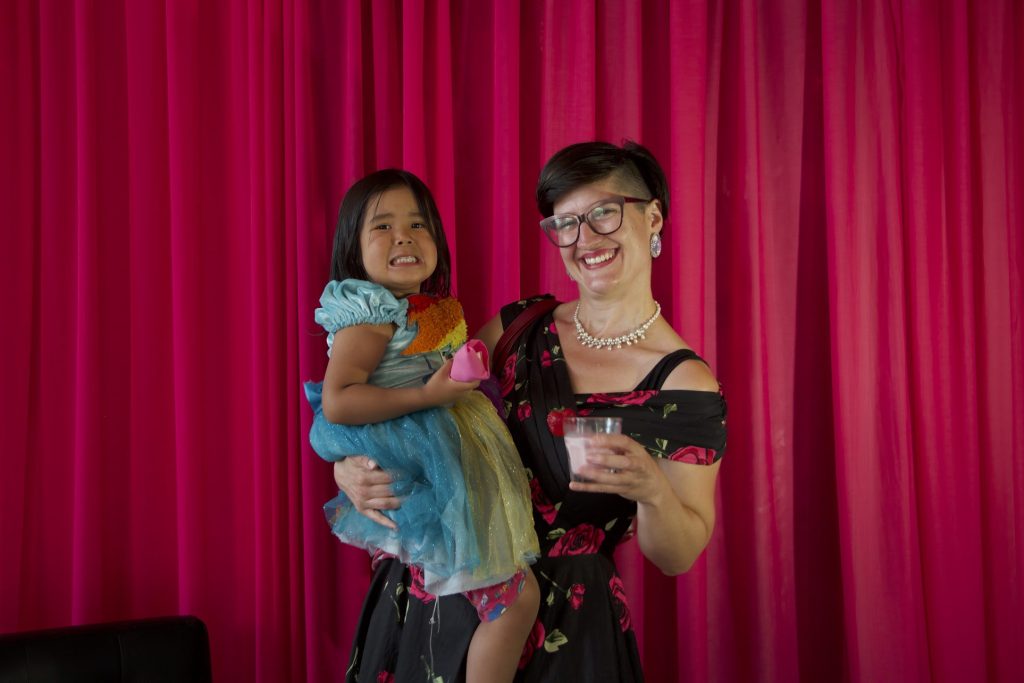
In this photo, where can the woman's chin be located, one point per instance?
(599, 284)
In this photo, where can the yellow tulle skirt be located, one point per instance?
(498, 493)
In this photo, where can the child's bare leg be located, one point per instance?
(497, 645)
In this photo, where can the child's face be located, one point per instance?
(398, 251)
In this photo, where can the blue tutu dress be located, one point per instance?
(465, 513)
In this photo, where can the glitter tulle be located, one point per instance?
(498, 493)
(465, 515)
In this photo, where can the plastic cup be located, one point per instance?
(578, 432)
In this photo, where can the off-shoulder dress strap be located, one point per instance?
(660, 372)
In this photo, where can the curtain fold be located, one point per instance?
(844, 245)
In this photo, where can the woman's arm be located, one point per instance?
(674, 528)
(675, 501)
(348, 399)
(490, 333)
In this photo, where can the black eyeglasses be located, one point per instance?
(604, 218)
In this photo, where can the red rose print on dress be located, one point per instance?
(524, 411)
(416, 585)
(576, 592)
(385, 677)
(508, 375)
(545, 359)
(694, 455)
(555, 419)
(634, 398)
(619, 600)
(541, 502)
(579, 540)
(535, 641)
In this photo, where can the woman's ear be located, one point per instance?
(653, 215)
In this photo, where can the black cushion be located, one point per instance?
(164, 650)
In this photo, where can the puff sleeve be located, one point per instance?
(358, 302)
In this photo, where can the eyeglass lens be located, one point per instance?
(604, 219)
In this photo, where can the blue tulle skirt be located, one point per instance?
(464, 517)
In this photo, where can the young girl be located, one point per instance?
(465, 518)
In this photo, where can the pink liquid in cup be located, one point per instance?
(577, 448)
(578, 432)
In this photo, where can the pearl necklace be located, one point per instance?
(630, 338)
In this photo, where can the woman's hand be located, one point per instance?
(675, 501)
(618, 464)
(367, 486)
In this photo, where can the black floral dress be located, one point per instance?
(583, 631)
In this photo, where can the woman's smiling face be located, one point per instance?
(602, 263)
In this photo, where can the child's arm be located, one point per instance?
(348, 399)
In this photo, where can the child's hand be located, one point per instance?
(441, 390)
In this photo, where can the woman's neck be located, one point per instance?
(611, 316)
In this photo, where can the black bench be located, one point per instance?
(163, 650)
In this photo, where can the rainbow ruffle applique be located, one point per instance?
(441, 325)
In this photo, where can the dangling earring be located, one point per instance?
(656, 245)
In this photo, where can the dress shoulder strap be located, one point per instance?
(529, 315)
(660, 372)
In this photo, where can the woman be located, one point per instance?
(610, 353)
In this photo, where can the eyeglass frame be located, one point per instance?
(581, 218)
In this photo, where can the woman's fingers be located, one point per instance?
(618, 464)
(619, 443)
(374, 500)
(610, 460)
(598, 485)
(358, 470)
(368, 488)
(367, 478)
(378, 516)
(608, 479)
(374, 493)
(618, 453)
(387, 502)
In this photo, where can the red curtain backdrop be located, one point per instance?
(845, 245)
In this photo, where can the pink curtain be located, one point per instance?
(845, 246)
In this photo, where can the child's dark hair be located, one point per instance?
(347, 257)
(584, 163)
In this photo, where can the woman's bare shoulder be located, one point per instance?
(691, 375)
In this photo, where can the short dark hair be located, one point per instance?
(584, 163)
(347, 257)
